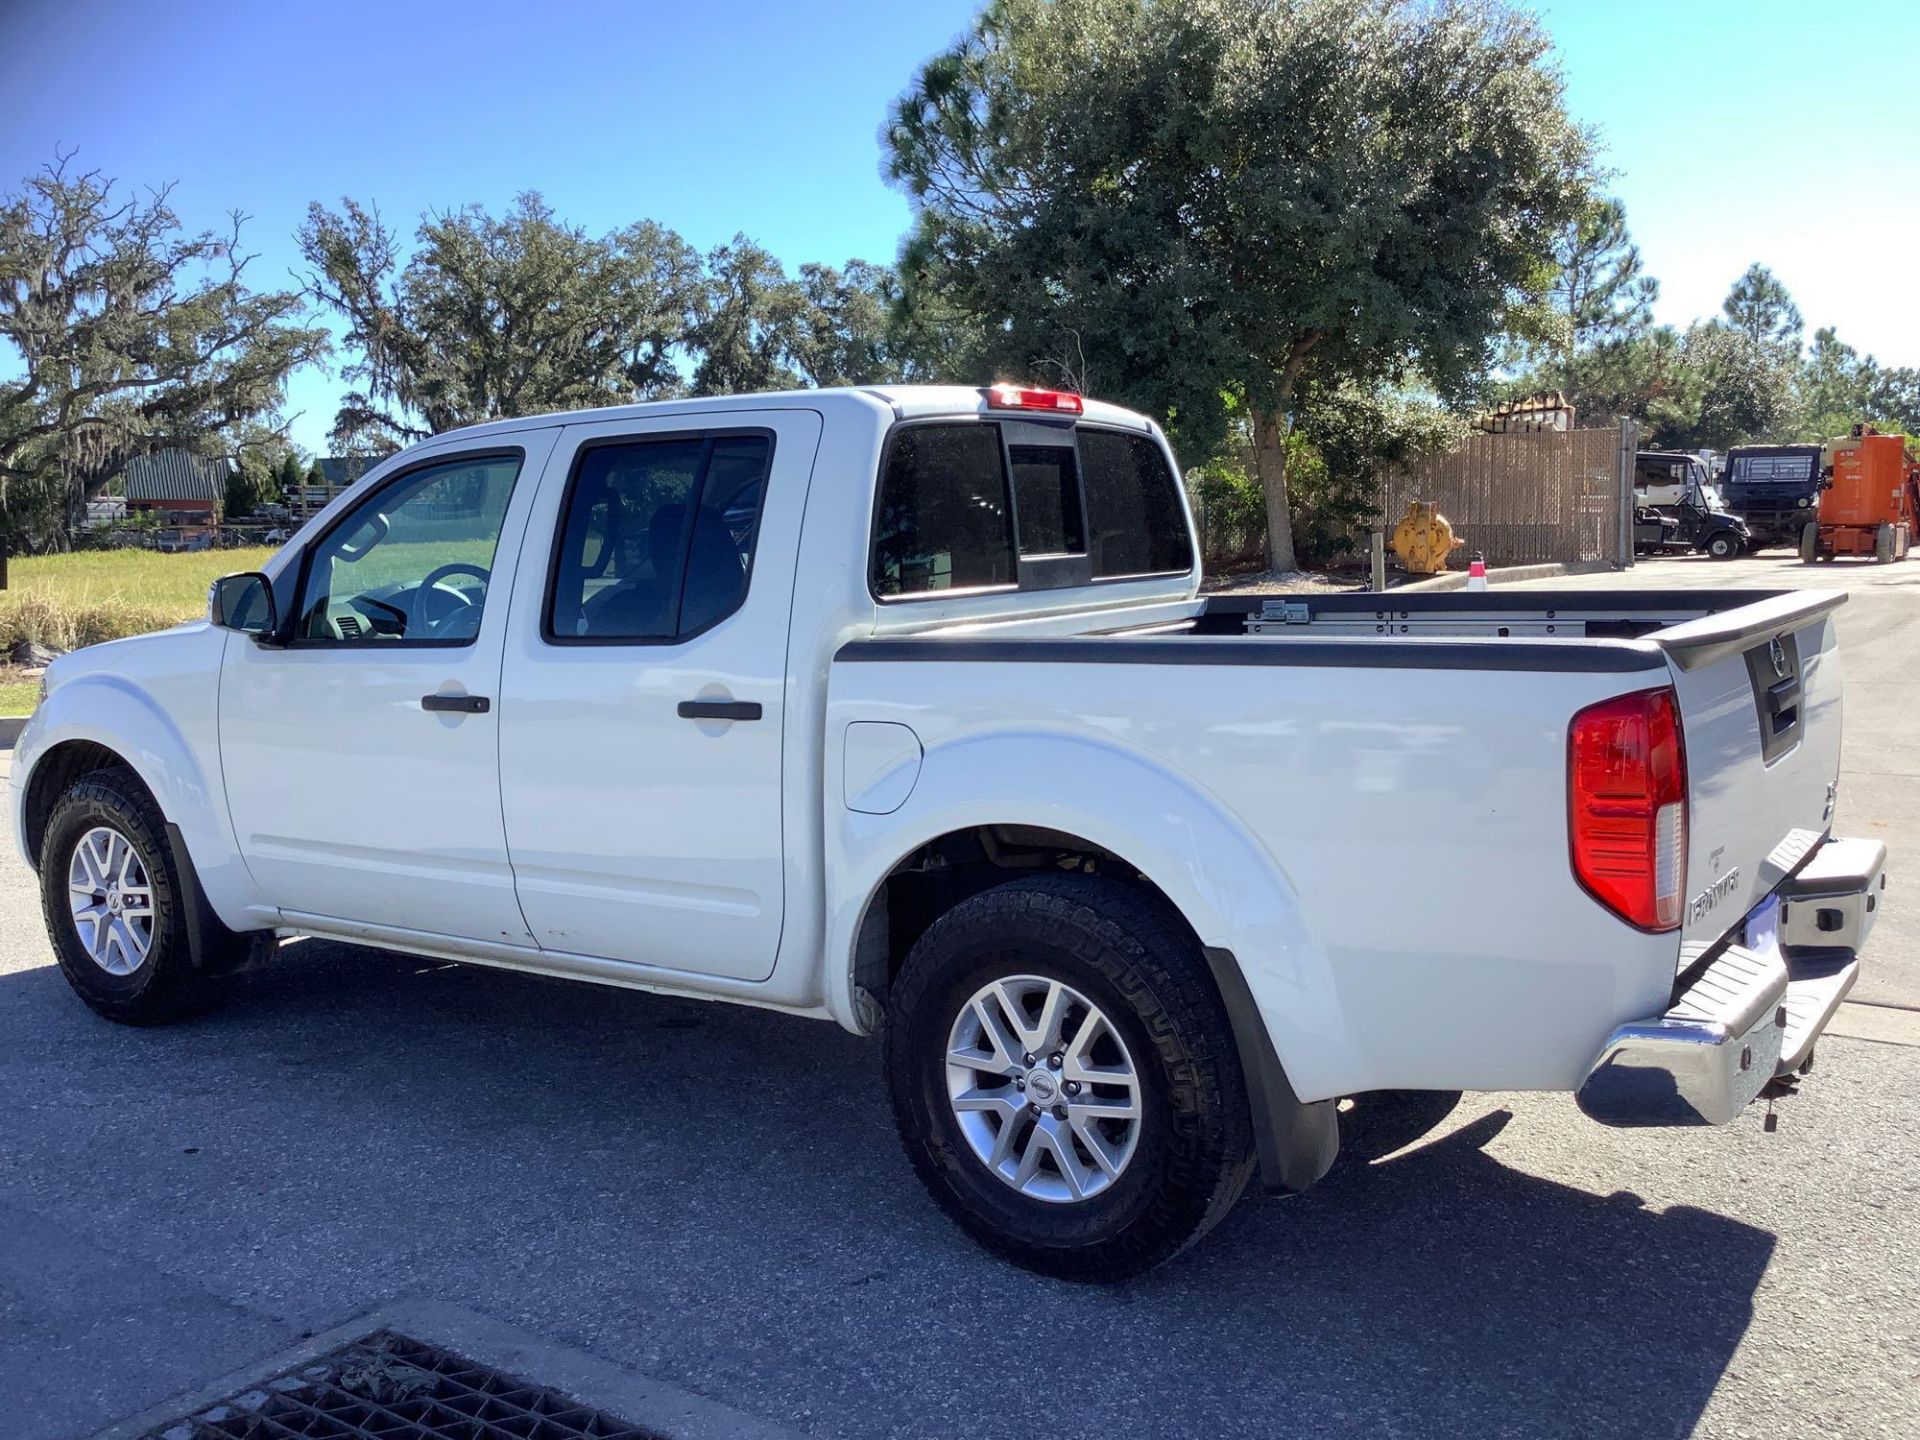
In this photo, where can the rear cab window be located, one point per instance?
(973, 505)
(1783, 469)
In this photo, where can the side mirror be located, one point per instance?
(243, 602)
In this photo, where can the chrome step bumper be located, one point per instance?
(1755, 1012)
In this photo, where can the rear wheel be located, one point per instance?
(1883, 545)
(1809, 543)
(1064, 1078)
(113, 903)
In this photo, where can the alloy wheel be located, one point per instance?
(1043, 1088)
(111, 897)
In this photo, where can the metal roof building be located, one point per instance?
(173, 476)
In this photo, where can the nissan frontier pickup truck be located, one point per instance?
(901, 708)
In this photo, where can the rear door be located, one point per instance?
(645, 690)
(1759, 691)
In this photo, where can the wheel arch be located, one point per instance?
(94, 721)
(53, 772)
(1068, 804)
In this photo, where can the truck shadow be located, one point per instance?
(714, 1195)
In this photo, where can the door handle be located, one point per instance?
(457, 704)
(720, 710)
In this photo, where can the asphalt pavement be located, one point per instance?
(713, 1196)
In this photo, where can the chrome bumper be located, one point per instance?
(1755, 1011)
(1832, 902)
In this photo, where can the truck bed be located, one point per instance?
(1397, 768)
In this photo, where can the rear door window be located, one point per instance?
(658, 537)
(942, 520)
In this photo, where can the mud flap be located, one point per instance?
(1297, 1142)
(213, 948)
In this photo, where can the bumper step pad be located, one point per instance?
(1814, 992)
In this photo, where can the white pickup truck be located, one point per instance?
(901, 708)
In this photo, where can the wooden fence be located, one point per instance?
(1526, 497)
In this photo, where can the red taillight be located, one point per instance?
(1627, 796)
(1015, 397)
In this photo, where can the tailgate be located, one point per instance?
(1759, 693)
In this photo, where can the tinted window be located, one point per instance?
(942, 521)
(413, 560)
(658, 537)
(1046, 500)
(1134, 518)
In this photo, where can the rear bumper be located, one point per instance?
(1754, 1013)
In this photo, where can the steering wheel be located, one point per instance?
(459, 602)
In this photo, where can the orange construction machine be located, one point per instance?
(1869, 498)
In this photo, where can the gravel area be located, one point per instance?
(1292, 582)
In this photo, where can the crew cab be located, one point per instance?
(903, 709)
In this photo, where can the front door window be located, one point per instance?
(411, 564)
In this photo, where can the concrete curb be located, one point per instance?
(666, 1410)
(1507, 575)
(1882, 1024)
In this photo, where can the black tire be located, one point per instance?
(1809, 543)
(166, 985)
(1125, 953)
(1723, 545)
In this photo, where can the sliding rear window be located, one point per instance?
(981, 505)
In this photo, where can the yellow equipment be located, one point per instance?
(1423, 539)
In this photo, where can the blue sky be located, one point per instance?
(1766, 130)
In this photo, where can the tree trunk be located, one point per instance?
(1270, 462)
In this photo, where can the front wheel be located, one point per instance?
(1064, 1077)
(1724, 545)
(113, 903)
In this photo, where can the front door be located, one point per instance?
(362, 756)
(640, 738)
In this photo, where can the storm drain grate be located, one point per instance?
(390, 1387)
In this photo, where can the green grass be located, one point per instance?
(17, 697)
(66, 601)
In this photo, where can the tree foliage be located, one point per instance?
(131, 334)
(750, 319)
(1601, 288)
(1600, 304)
(1839, 388)
(1172, 203)
(1760, 309)
(489, 317)
(851, 335)
(496, 316)
(250, 485)
(1740, 378)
